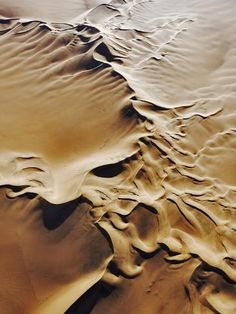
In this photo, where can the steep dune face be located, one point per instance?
(43, 268)
(52, 101)
(131, 105)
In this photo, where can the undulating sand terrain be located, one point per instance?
(117, 157)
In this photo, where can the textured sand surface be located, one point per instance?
(117, 156)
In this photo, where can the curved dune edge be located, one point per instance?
(135, 112)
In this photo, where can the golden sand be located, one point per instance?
(117, 157)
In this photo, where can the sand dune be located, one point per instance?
(117, 157)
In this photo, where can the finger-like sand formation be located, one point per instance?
(117, 157)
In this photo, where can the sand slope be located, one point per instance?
(130, 104)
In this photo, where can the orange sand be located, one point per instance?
(117, 157)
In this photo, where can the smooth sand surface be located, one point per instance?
(117, 157)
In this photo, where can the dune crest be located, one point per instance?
(120, 116)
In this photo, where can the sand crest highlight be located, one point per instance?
(117, 168)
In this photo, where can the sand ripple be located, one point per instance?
(131, 104)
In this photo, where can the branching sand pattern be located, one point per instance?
(124, 119)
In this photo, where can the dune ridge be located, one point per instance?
(134, 112)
